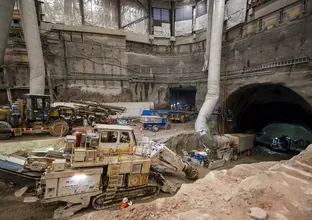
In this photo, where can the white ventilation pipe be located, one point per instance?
(6, 14)
(208, 36)
(34, 49)
(213, 84)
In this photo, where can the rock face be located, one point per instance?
(283, 189)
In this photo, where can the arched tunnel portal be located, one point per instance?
(257, 105)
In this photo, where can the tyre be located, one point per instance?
(57, 127)
(5, 130)
(155, 128)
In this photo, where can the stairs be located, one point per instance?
(113, 181)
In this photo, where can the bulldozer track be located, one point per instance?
(144, 192)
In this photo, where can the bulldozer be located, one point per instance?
(33, 113)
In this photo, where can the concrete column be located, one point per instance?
(172, 26)
(6, 14)
(34, 49)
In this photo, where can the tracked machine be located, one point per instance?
(99, 168)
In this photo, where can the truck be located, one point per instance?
(98, 169)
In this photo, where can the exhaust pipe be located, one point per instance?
(213, 84)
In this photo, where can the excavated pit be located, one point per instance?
(184, 139)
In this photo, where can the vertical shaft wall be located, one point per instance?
(34, 49)
(6, 14)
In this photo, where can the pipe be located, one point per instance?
(208, 36)
(33, 45)
(213, 84)
(6, 14)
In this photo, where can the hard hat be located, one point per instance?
(125, 199)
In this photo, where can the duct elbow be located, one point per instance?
(208, 140)
(201, 125)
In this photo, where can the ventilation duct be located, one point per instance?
(33, 44)
(208, 36)
(213, 85)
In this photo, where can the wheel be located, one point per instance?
(73, 118)
(58, 127)
(155, 128)
(5, 130)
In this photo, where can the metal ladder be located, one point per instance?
(113, 181)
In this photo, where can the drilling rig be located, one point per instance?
(99, 168)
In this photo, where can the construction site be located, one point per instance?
(156, 109)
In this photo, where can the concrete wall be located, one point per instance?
(113, 65)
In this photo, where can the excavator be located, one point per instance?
(99, 168)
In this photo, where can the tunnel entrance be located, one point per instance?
(270, 110)
(183, 98)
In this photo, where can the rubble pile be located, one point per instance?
(266, 190)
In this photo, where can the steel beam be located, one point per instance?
(119, 13)
(150, 20)
(172, 26)
(136, 21)
(140, 3)
(81, 7)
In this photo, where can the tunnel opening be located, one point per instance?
(183, 98)
(280, 118)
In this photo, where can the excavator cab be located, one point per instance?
(37, 107)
